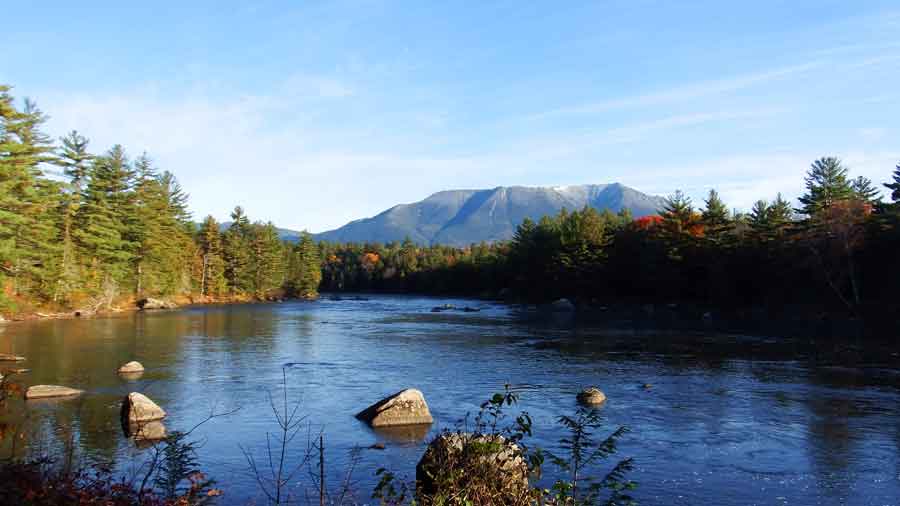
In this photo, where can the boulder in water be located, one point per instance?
(150, 303)
(48, 391)
(131, 368)
(407, 407)
(145, 431)
(591, 396)
(562, 306)
(489, 460)
(137, 408)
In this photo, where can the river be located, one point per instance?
(727, 419)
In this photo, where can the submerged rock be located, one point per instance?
(48, 391)
(150, 303)
(591, 396)
(138, 408)
(492, 460)
(407, 407)
(131, 368)
(562, 306)
(145, 431)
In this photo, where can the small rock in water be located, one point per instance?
(591, 396)
(647, 386)
(139, 408)
(131, 367)
(6, 357)
(407, 407)
(377, 446)
(562, 306)
(150, 303)
(48, 391)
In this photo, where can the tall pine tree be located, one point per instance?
(826, 184)
(27, 199)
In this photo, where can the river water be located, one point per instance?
(727, 420)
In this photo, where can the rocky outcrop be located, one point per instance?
(150, 303)
(6, 357)
(407, 407)
(138, 408)
(562, 306)
(49, 391)
(131, 368)
(492, 460)
(591, 396)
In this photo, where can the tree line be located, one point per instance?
(80, 229)
(835, 252)
(84, 230)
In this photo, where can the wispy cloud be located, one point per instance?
(681, 93)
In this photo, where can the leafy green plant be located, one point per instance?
(583, 452)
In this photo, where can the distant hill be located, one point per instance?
(461, 217)
(285, 234)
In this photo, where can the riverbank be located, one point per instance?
(133, 304)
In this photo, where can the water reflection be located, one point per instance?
(741, 419)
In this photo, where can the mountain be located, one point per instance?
(461, 217)
(285, 234)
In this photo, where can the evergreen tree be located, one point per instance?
(212, 281)
(236, 252)
(266, 267)
(895, 186)
(781, 214)
(75, 160)
(101, 231)
(157, 228)
(715, 217)
(306, 272)
(826, 183)
(27, 200)
(864, 190)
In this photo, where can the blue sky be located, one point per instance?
(311, 114)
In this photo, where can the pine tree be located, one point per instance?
(73, 157)
(265, 266)
(715, 216)
(864, 190)
(102, 222)
(781, 214)
(212, 280)
(307, 268)
(27, 200)
(895, 186)
(826, 183)
(236, 252)
(678, 215)
(162, 241)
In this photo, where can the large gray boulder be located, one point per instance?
(49, 391)
(150, 303)
(459, 460)
(407, 407)
(138, 408)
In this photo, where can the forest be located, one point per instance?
(82, 230)
(86, 231)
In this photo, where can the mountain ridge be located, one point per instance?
(465, 216)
